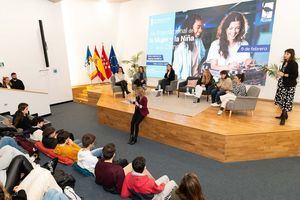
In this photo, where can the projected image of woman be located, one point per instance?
(223, 53)
(190, 51)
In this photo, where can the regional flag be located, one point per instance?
(98, 63)
(91, 69)
(114, 65)
(88, 57)
(106, 63)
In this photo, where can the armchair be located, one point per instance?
(244, 103)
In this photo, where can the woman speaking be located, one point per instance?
(140, 112)
(287, 82)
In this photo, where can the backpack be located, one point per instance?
(63, 179)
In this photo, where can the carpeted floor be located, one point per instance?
(275, 179)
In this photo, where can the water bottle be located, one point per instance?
(159, 87)
(193, 91)
(187, 89)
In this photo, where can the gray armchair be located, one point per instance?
(115, 88)
(172, 87)
(244, 103)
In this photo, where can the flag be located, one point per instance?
(88, 57)
(114, 65)
(98, 63)
(92, 71)
(106, 63)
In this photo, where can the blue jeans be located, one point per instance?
(53, 194)
(97, 152)
(215, 95)
(9, 141)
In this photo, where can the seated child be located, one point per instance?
(66, 147)
(144, 185)
(88, 158)
(49, 138)
(35, 131)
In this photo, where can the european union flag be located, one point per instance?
(114, 65)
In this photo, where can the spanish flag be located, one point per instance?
(98, 63)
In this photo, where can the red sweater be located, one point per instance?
(140, 184)
(143, 101)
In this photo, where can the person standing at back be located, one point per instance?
(16, 83)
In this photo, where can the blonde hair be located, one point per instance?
(140, 91)
(3, 193)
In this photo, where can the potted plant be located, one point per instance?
(134, 66)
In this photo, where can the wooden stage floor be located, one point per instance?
(241, 137)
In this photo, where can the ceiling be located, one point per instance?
(112, 1)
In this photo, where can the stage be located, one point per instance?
(241, 137)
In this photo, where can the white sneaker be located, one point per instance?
(215, 105)
(70, 193)
(220, 112)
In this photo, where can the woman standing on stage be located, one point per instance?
(287, 82)
(140, 112)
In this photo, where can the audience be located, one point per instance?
(16, 83)
(49, 138)
(189, 189)
(21, 117)
(36, 132)
(239, 89)
(137, 183)
(88, 158)
(6, 82)
(224, 85)
(108, 173)
(140, 78)
(66, 147)
(120, 80)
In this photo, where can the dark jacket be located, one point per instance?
(24, 123)
(17, 84)
(292, 70)
(49, 143)
(210, 84)
(171, 76)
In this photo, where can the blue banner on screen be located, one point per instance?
(234, 37)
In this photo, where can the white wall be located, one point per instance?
(88, 22)
(21, 46)
(134, 19)
(38, 102)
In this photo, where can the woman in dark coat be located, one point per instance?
(287, 82)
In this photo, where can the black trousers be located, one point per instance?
(123, 85)
(139, 83)
(19, 165)
(164, 83)
(137, 118)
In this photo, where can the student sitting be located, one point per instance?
(108, 173)
(239, 89)
(88, 158)
(224, 85)
(36, 132)
(189, 188)
(139, 184)
(66, 147)
(49, 138)
(21, 119)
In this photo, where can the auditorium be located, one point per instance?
(149, 99)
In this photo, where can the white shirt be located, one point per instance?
(37, 135)
(233, 55)
(86, 160)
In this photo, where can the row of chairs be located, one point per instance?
(245, 103)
